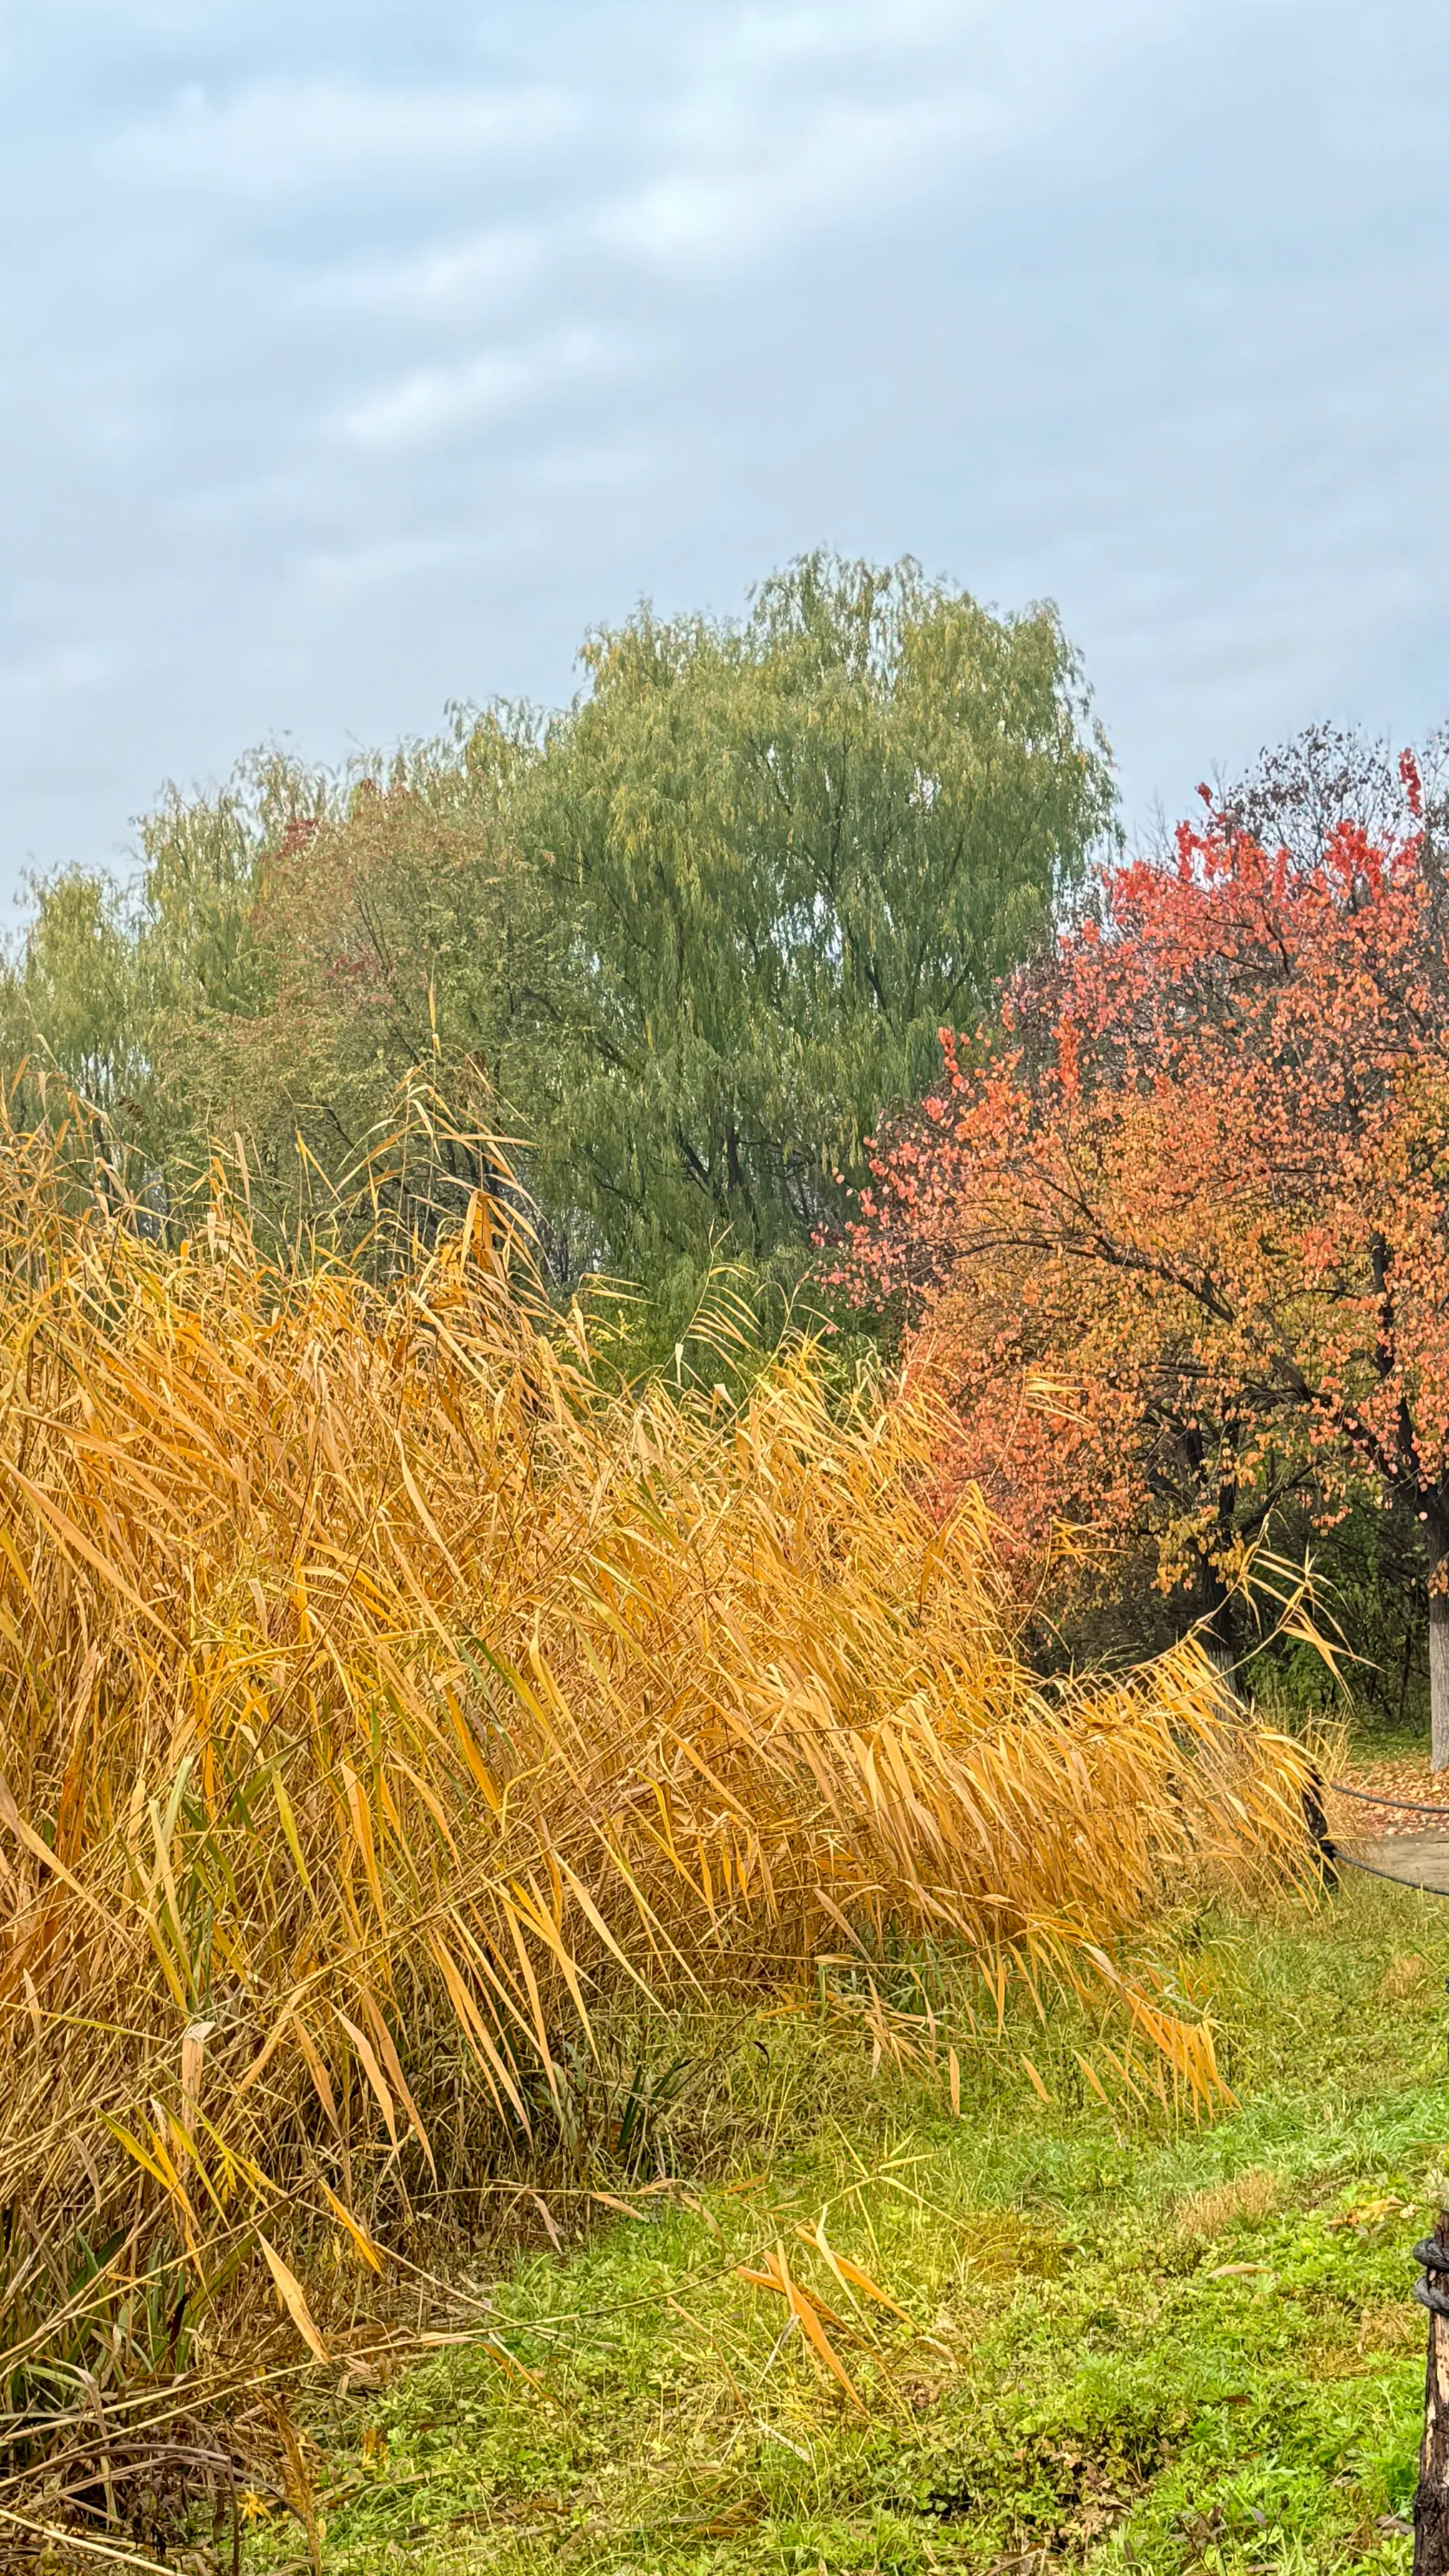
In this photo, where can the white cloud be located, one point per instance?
(460, 275)
(781, 123)
(840, 161)
(295, 136)
(432, 403)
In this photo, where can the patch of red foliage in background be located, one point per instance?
(1175, 1234)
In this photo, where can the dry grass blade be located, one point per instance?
(810, 2314)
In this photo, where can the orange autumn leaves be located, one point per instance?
(1175, 1234)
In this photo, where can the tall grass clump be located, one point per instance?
(387, 1700)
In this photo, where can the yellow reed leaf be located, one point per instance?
(499, 2078)
(808, 2312)
(847, 2272)
(252, 2074)
(393, 2063)
(423, 1513)
(589, 1909)
(816, 2335)
(369, 2252)
(193, 2059)
(159, 2169)
(1091, 2075)
(321, 2080)
(289, 2291)
(286, 1817)
(361, 1814)
(74, 1540)
(532, 1910)
(39, 1849)
(372, 2071)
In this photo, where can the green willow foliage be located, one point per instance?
(682, 942)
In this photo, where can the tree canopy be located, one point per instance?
(1177, 1231)
(684, 942)
(781, 852)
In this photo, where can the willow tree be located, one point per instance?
(297, 955)
(71, 1000)
(782, 852)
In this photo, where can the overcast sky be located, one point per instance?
(363, 353)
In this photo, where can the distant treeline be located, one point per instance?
(678, 946)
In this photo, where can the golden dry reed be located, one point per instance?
(384, 1701)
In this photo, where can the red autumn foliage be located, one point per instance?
(1179, 1231)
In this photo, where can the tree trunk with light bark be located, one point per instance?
(1219, 1628)
(1438, 1676)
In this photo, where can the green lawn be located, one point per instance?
(1132, 2341)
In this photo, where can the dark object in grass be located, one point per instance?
(1431, 2496)
(1315, 1825)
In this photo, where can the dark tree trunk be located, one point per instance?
(1431, 2499)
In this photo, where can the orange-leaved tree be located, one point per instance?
(1179, 1228)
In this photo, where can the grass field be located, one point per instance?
(1118, 2340)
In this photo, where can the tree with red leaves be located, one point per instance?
(1178, 1229)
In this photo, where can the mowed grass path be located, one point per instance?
(1128, 2341)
